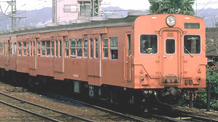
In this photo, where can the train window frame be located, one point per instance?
(15, 48)
(67, 49)
(91, 48)
(19, 49)
(52, 48)
(96, 48)
(184, 44)
(28, 48)
(60, 48)
(73, 48)
(105, 48)
(114, 48)
(48, 48)
(34, 48)
(39, 49)
(24, 48)
(85, 45)
(157, 44)
(1, 48)
(31, 48)
(79, 47)
(165, 47)
(43, 46)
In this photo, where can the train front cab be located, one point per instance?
(169, 52)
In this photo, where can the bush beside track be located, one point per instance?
(212, 76)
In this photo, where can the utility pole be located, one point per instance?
(54, 11)
(95, 5)
(13, 14)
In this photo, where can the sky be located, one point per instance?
(124, 4)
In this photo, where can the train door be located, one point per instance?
(58, 64)
(170, 50)
(128, 60)
(94, 60)
(32, 54)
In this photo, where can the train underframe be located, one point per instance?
(133, 98)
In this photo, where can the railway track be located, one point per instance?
(40, 111)
(71, 100)
(176, 118)
(185, 118)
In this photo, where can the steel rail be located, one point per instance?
(30, 112)
(138, 119)
(37, 105)
(200, 118)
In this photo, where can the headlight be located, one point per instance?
(171, 21)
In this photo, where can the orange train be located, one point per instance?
(124, 59)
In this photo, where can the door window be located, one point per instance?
(170, 46)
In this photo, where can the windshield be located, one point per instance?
(192, 44)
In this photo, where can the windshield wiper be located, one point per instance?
(188, 51)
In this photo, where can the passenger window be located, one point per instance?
(43, 48)
(96, 48)
(129, 44)
(91, 48)
(56, 48)
(27, 52)
(30, 49)
(48, 52)
(114, 47)
(11, 49)
(15, 48)
(52, 48)
(170, 46)
(39, 49)
(34, 48)
(67, 48)
(60, 51)
(79, 47)
(192, 44)
(20, 48)
(72, 48)
(24, 48)
(105, 47)
(148, 44)
(1, 48)
(85, 48)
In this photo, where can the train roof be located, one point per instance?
(76, 26)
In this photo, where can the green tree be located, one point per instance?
(172, 7)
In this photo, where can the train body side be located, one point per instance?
(131, 67)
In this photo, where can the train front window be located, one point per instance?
(148, 44)
(192, 44)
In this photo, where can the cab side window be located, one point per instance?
(114, 47)
(148, 44)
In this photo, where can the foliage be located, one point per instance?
(212, 76)
(172, 7)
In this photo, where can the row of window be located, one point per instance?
(149, 44)
(75, 48)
